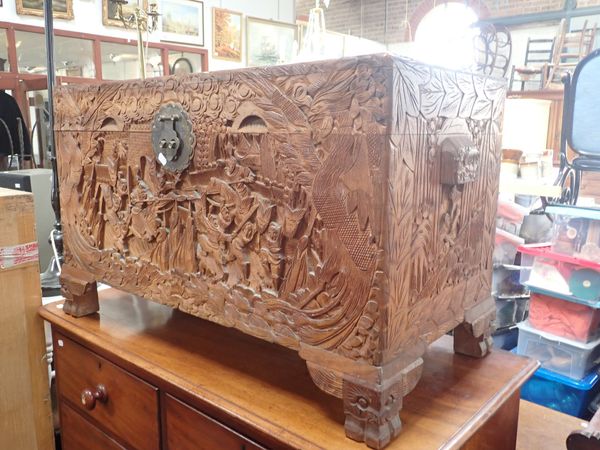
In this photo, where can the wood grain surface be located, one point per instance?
(264, 391)
(77, 433)
(544, 428)
(25, 410)
(130, 410)
(344, 208)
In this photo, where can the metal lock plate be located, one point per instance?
(173, 139)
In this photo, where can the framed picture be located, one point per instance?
(61, 9)
(269, 43)
(109, 12)
(182, 21)
(227, 35)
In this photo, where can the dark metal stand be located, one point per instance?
(50, 278)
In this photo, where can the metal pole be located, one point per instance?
(140, 44)
(49, 34)
(50, 277)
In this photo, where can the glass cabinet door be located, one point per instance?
(120, 62)
(4, 64)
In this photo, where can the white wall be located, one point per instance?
(88, 19)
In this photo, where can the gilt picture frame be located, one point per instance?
(227, 34)
(182, 21)
(109, 12)
(62, 9)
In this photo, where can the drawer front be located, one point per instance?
(120, 403)
(78, 434)
(188, 429)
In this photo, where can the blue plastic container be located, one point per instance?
(561, 393)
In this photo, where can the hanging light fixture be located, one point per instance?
(313, 42)
(405, 24)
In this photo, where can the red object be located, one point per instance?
(545, 251)
(563, 318)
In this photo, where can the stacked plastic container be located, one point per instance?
(563, 329)
(510, 296)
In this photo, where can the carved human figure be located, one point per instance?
(271, 256)
(239, 262)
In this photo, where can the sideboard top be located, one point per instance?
(229, 374)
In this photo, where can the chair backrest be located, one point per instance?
(539, 51)
(589, 38)
(583, 126)
(575, 46)
(493, 49)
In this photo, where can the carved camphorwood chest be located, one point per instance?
(344, 209)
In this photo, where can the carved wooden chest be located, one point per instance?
(345, 209)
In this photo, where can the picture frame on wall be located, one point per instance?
(227, 35)
(269, 42)
(182, 21)
(109, 12)
(61, 9)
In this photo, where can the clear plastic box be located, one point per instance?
(567, 357)
(505, 281)
(553, 272)
(505, 248)
(576, 231)
(559, 315)
(509, 216)
(506, 338)
(511, 310)
(561, 393)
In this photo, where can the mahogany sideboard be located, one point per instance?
(140, 375)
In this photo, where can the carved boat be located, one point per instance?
(345, 209)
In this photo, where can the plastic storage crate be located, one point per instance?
(559, 273)
(506, 338)
(511, 310)
(562, 393)
(576, 231)
(510, 216)
(505, 248)
(559, 315)
(564, 356)
(505, 281)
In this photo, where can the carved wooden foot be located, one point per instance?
(80, 292)
(473, 337)
(373, 409)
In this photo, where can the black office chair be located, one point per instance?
(580, 127)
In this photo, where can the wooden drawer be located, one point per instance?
(78, 434)
(188, 429)
(129, 412)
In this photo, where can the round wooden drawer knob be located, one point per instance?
(90, 396)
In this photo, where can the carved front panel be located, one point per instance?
(311, 208)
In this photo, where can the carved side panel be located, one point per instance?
(443, 170)
(274, 227)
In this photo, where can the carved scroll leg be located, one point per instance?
(79, 290)
(373, 409)
(473, 337)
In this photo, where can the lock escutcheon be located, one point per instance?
(173, 139)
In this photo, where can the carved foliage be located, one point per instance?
(444, 161)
